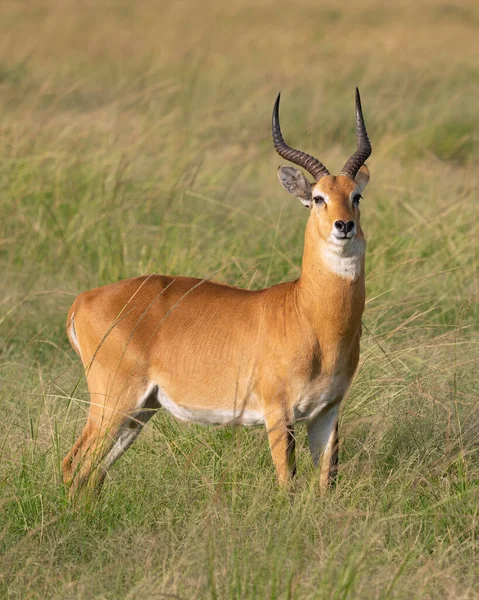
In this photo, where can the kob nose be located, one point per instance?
(344, 227)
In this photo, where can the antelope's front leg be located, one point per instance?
(324, 445)
(282, 445)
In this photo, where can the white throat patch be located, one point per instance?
(344, 261)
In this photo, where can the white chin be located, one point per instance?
(341, 241)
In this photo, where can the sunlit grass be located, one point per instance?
(135, 139)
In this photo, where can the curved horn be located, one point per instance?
(308, 162)
(363, 152)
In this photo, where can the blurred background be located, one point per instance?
(135, 138)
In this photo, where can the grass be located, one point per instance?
(135, 139)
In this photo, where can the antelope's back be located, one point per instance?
(158, 319)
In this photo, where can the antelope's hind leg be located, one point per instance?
(324, 445)
(115, 421)
(131, 429)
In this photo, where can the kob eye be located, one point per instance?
(357, 198)
(319, 200)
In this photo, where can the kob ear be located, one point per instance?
(295, 183)
(362, 177)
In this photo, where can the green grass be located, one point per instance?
(135, 139)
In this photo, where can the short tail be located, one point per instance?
(71, 331)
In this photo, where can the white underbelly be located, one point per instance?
(216, 416)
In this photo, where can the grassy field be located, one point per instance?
(135, 138)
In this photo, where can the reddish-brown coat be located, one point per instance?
(217, 347)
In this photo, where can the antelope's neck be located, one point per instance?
(331, 293)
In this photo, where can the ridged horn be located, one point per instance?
(363, 152)
(308, 162)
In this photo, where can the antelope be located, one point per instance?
(216, 354)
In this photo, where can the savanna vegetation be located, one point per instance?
(135, 138)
